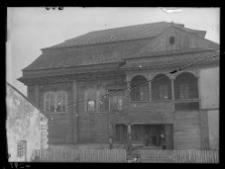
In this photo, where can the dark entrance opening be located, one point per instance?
(157, 135)
(121, 133)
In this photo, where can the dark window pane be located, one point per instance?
(140, 89)
(172, 40)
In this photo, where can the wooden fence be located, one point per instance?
(62, 154)
(66, 154)
(178, 156)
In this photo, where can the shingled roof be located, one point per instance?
(124, 33)
(104, 46)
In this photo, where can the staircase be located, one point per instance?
(135, 153)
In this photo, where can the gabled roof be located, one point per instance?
(106, 46)
(89, 55)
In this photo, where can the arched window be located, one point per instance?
(49, 101)
(139, 93)
(55, 101)
(161, 87)
(186, 86)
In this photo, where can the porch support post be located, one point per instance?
(172, 78)
(150, 87)
(129, 133)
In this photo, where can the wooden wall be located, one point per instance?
(60, 124)
(186, 130)
(183, 40)
(93, 126)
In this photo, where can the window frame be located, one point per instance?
(118, 95)
(163, 92)
(21, 148)
(87, 100)
(156, 89)
(184, 91)
(97, 98)
(55, 98)
(45, 100)
(192, 83)
(135, 94)
(102, 98)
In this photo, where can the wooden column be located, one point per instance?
(199, 87)
(75, 112)
(172, 78)
(37, 95)
(150, 87)
(128, 86)
(129, 133)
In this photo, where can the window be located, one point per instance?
(96, 100)
(55, 101)
(172, 40)
(103, 100)
(21, 148)
(49, 102)
(186, 86)
(139, 93)
(61, 101)
(184, 91)
(161, 87)
(163, 92)
(91, 95)
(116, 101)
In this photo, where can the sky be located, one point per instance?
(30, 29)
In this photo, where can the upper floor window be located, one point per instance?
(96, 100)
(61, 101)
(186, 86)
(49, 102)
(184, 91)
(103, 100)
(139, 93)
(172, 40)
(55, 101)
(163, 92)
(116, 101)
(161, 87)
(90, 96)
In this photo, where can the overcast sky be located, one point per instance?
(31, 29)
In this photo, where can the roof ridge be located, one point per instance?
(129, 26)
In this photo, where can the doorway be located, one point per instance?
(153, 135)
(121, 133)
